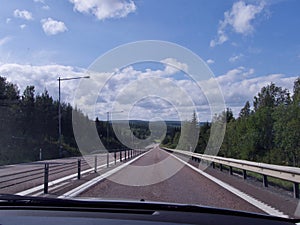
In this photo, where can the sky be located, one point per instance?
(246, 44)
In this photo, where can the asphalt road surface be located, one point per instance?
(151, 178)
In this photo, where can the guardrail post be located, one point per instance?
(121, 156)
(125, 154)
(296, 190)
(79, 169)
(115, 157)
(95, 164)
(46, 178)
(265, 181)
(244, 174)
(213, 165)
(230, 170)
(221, 167)
(107, 159)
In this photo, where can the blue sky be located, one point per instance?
(246, 44)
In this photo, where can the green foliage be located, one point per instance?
(29, 123)
(269, 133)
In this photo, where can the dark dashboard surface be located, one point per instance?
(66, 216)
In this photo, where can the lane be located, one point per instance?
(185, 186)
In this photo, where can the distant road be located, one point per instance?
(186, 186)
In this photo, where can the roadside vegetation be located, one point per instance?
(29, 124)
(266, 131)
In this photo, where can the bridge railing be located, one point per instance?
(288, 173)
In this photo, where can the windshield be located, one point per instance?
(191, 102)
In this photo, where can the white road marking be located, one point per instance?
(76, 191)
(261, 205)
(51, 189)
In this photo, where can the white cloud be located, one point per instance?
(23, 14)
(222, 37)
(8, 20)
(52, 27)
(23, 26)
(42, 77)
(4, 40)
(104, 9)
(45, 7)
(240, 19)
(210, 61)
(238, 86)
(235, 58)
(172, 66)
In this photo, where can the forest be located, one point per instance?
(266, 131)
(29, 124)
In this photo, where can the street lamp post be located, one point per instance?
(59, 108)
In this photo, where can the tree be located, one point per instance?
(245, 111)
(203, 137)
(296, 96)
(46, 116)
(286, 129)
(189, 134)
(270, 97)
(9, 99)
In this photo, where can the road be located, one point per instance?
(153, 176)
(185, 186)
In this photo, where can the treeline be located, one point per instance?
(29, 124)
(269, 131)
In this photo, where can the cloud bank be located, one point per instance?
(238, 86)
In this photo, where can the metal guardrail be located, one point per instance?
(128, 154)
(288, 173)
(46, 170)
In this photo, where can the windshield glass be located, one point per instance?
(192, 102)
